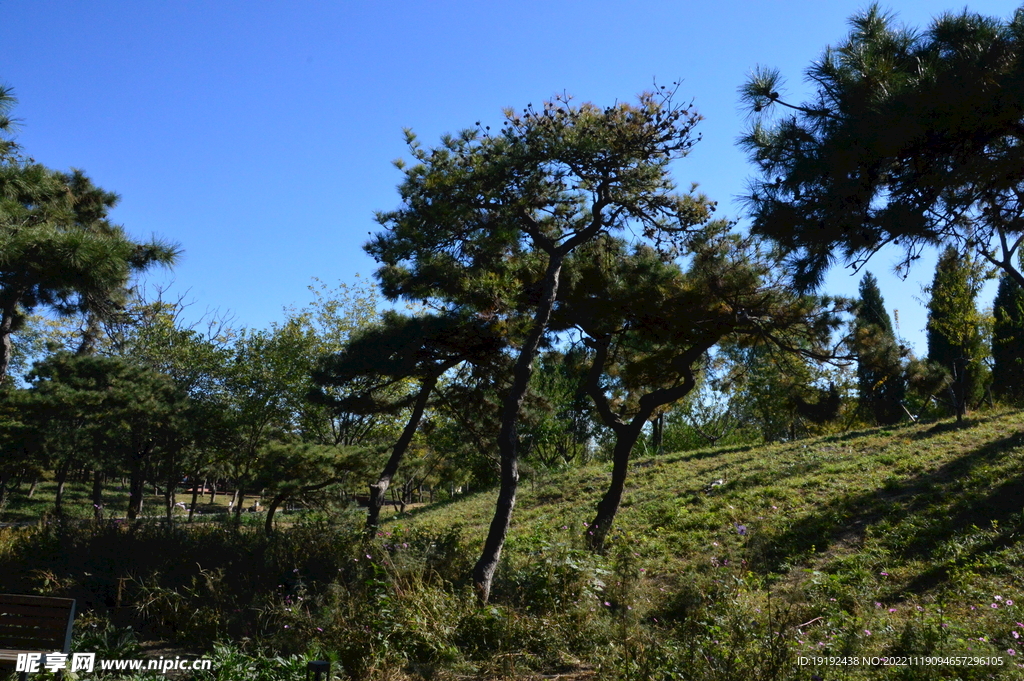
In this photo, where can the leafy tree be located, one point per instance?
(881, 382)
(266, 385)
(84, 405)
(399, 349)
(559, 419)
(651, 325)
(293, 469)
(58, 250)
(488, 220)
(778, 395)
(1008, 341)
(955, 341)
(909, 138)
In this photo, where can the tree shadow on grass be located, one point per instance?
(929, 509)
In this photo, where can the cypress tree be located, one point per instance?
(1008, 341)
(954, 336)
(880, 377)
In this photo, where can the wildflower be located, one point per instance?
(742, 530)
(1011, 651)
(1009, 602)
(884, 574)
(877, 604)
(997, 598)
(920, 609)
(607, 604)
(867, 632)
(995, 605)
(287, 627)
(319, 629)
(1015, 634)
(892, 609)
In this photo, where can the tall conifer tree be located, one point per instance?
(1008, 341)
(880, 379)
(954, 336)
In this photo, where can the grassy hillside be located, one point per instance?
(808, 560)
(887, 541)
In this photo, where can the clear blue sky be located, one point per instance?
(259, 135)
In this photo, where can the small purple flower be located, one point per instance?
(742, 530)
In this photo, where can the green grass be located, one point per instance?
(923, 520)
(903, 541)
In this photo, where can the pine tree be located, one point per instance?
(1008, 341)
(58, 250)
(955, 341)
(881, 383)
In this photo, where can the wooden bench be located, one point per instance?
(34, 624)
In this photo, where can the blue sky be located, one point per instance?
(259, 135)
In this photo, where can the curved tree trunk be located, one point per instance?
(268, 526)
(626, 437)
(380, 488)
(508, 437)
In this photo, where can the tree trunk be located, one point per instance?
(195, 496)
(6, 328)
(97, 494)
(238, 507)
(658, 434)
(508, 437)
(32, 489)
(169, 500)
(268, 527)
(5, 479)
(379, 488)
(62, 476)
(136, 491)
(213, 491)
(626, 437)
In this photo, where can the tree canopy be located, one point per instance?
(909, 138)
(488, 219)
(58, 249)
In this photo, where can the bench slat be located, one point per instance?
(45, 611)
(26, 623)
(42, 601)
(34, 624)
